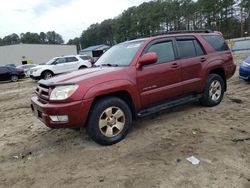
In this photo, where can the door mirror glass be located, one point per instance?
(148, 58)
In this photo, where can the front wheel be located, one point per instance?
(47, 75)
(214, 91)
(109, 121)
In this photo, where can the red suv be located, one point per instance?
(134, 79)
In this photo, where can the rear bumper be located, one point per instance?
(230, 70)
(77, 113)
(244, 73)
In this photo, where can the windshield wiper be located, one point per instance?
(109, 65)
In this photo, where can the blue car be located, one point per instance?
(245, 70)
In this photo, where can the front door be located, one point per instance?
(160, 81)
(60, 66)
(4, 74)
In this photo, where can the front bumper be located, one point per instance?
(77, 112)
(244, 73)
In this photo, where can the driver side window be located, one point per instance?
(60, 61)
(164, 51)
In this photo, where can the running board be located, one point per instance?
(167, 105)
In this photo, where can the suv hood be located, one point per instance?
(91, 75)
(39, 67)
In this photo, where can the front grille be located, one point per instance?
(42, 92)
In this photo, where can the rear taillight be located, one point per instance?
(20, 70)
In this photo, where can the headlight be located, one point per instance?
(62, 92)
(245, 64)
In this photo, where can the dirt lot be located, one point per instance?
(153, 155)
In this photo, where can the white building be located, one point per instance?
(36, 53)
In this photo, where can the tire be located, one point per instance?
(14, 78)
(214, 91)
(47, 75)
(109, 121)
(82, 67)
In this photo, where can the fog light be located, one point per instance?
(59, 118)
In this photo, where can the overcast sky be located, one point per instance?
(67, 17)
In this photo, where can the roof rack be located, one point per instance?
(184, 31)
(190, 31)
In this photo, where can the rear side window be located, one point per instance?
(189, 48)
(217, 42)
(164, 51)
(71, 59)
(85, 57)
(198, 48)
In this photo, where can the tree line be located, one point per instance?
(50, 37)
(231, 17)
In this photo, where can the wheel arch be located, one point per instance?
(47, 70)
(221, 72)
(124, 95)
(83, 66)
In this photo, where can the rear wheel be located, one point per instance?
(214, 91)
(47, 75)
(109, 121)
(14, 78)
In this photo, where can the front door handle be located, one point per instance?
(203, 59)
(175, 65)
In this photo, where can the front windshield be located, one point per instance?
(119, 55)
(50, 62)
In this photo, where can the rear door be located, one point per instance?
(4, 74)
(160, 81)
(72, 63)
(192, 57)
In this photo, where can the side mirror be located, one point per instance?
(148, 58)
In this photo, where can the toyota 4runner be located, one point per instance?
(134, 79)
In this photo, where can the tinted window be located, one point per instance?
(164, 51)
(189, 48)
(186, 48)
(198, 48)
(217, 42)
(85, 57)
(71, 59)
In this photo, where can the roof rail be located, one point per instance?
(184, 31)
(190, 31)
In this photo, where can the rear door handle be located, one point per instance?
(203, 59)
(175, 65)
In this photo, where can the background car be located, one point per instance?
(27, 68)
(10, 65)
(245, 69)
(11, 73)
(60, 65)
